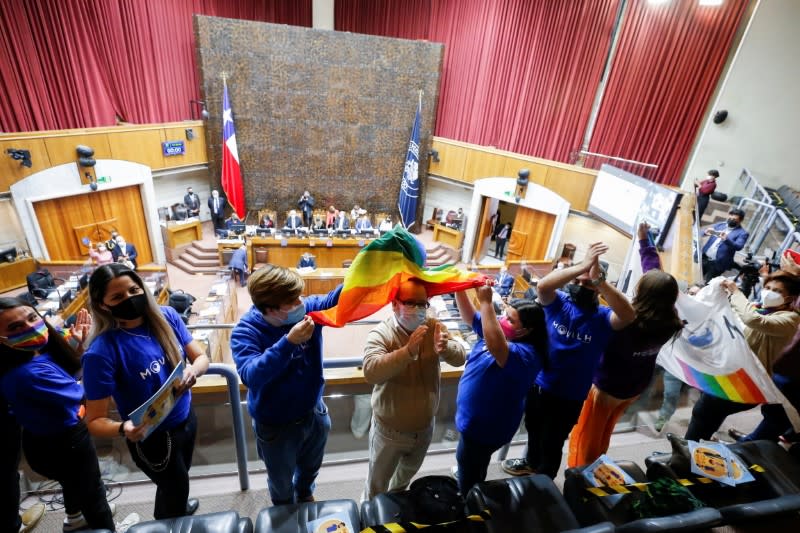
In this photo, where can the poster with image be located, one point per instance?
(158, 407)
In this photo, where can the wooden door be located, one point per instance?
(489, 206)
(66, 221)
(530, 235)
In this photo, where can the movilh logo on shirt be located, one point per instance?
(564, 331)
(153, 369)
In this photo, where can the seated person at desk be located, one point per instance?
(319, 223)
(307, 261)
(238, 264)
(505, 282)
(355, 212)
(125, 253)
(363, 223)
(386, 224)
(100, 255)
(342, 222)
(233, 226)
(266, 222)
(294, 221)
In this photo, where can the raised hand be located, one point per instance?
(80, 330)
(440, 338)
(415, 339)
(301, 331)
(484, 292)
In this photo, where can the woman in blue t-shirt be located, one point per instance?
(37, 366)
(499, 371)
(135, 345)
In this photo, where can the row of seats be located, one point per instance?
(534, 503)
(787, 199)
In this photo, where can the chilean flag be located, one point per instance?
(231, 173)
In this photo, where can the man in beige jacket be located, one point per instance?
(401, 360)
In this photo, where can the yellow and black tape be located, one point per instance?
(405, 527)
(611, 490)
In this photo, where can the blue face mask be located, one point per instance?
(411, 319)
(295, 315)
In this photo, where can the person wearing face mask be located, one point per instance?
(500, 369)
(726, 238)
(627, 364)
(401, 361)
(192, 203)
(277, 349)
(125, 253)
(38, 371)
(100, 256)
(134, 346)
(578, 331)
(216, 204)
(769, 326)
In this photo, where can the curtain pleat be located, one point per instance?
(88, 63)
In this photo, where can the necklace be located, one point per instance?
(135, 334)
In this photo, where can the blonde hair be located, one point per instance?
(272, 286)
(103, 321)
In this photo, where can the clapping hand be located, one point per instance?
(440, 338)
(415, 339)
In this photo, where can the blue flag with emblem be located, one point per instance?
(409, 188)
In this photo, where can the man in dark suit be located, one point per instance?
(726, 239)
(306, 205)
(505, 282)
(216, 204)
(294, 221)
(342, 222)
(192, 203)
(125, 253)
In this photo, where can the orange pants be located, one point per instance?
(591, 435)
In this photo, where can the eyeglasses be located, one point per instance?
(416, 305)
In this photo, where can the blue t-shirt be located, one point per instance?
(491, 398)
(130, 366)
(576, 340)
(284, 381)
(44, 397)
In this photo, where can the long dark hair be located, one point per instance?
(102, 320)
(57, 346)
(656, 316)
(531, 316)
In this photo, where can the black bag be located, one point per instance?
(434, 500)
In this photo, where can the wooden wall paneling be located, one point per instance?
(61, 148)
(124, 204)
(195, 149)
(516, 245)
(57, 218)
(538, 226)
(142, 146)
(513, 165)
(482, 164)
(574, 186)
(452, 160)
(481, 246)
(11, 171)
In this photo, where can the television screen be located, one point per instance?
(8, 255)
(238, 229)
(617, 197)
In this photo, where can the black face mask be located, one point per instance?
(581, 296)
(732, 223)
(130, 309)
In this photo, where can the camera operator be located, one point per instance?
(726, 238)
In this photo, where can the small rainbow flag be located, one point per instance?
(738, 386)
(378, 270)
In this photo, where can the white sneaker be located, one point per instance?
(31, 516)
(129, 520)
(79, 522)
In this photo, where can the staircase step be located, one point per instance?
(203, 247)
(201, 254)
(189, 259)
(191, 269)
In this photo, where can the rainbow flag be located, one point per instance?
(712, 355)
(378, 270)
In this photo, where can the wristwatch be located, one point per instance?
(121, 429)
(600, 279)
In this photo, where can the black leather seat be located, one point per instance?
(590, 509)
(293, 518)
(225, 522)
(775, 491)
(529, 503)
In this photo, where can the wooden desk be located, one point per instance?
(449, 236)
(230, 244)
(13, 275)
(329, 253)
(322, 280)
(178, 234)
(216, 309)
(678, 255)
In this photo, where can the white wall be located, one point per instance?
(446, 195)
(11, 233)
(760, 93)
(171, 187)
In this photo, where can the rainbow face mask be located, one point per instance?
(31, 339)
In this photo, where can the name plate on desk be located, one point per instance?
(329, 243)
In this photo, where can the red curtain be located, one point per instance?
(85, 63)
(666, 67)
(518, 75)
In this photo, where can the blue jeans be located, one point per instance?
(473, 461)
(293, 454)
(672, 395)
